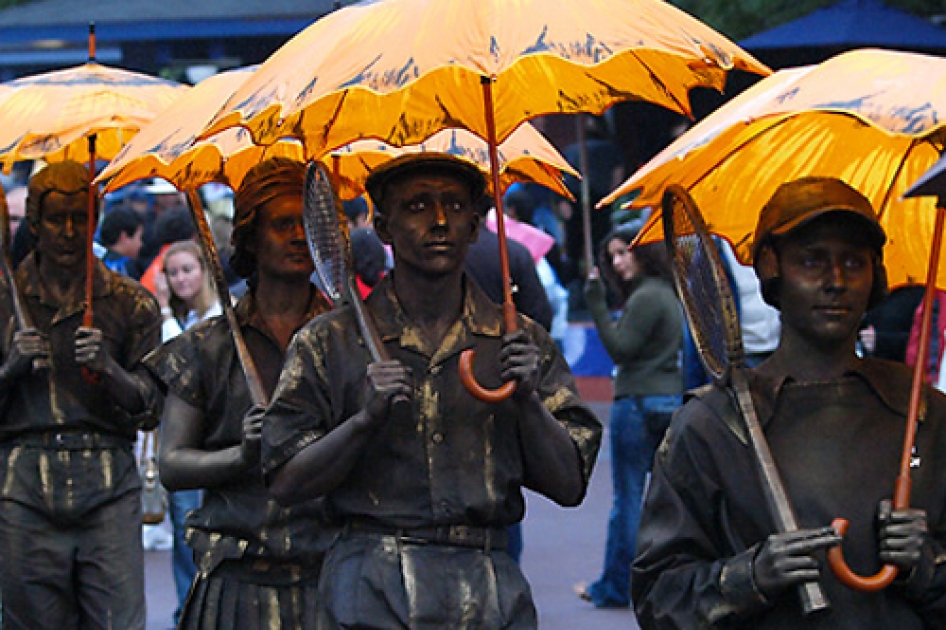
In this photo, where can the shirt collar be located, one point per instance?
(480, 316)
(892, 386)
(31, 285)
(247, 310)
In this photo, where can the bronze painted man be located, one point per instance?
(258, 563)
(423, 497)
(70, 504)
(708, 555)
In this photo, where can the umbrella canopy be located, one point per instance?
(167, 148)
(872, 118)
(525, 156)
(81, 114)
(51, 115)
(384, 70)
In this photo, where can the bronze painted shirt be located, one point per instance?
(454, 460)
(837, 445)
(202, 368)
(59, 397)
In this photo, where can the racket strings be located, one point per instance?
(704, 291)
(327, 233)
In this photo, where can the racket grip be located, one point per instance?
(813, 598)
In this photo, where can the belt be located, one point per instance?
(72, 440)
(485, 538)
(267, 572)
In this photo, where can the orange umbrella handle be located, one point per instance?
(499, 394)
(847, 577)
(509, 307)
(901, 495)
(888, 572)
(91, 377)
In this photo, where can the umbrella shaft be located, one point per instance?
(509, 308)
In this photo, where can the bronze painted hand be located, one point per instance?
(30, 348)
(386, 380)
(786, 559)
(520, 360)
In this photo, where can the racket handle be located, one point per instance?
(813, 598)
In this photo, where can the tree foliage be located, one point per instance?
(738, 19)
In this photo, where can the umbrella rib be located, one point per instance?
(331, 122)
(893, 180)
(684, 107)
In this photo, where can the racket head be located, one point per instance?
(702, 284)
(326, 232)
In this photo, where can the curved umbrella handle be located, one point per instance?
(465, 366)
(510, 322)
(846, 576)
(901, 493)
(499, 394)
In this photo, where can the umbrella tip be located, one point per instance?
(91, 41)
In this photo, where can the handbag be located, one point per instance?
(154, 499)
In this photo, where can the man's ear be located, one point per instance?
(767, 269)
(381, 227)
(766, 263)
(249, 244)
(476, 224)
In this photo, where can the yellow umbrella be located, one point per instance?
(385, 70)
(872, 118)
(525, 156)
(51, 115)
(80, 113)
(168, 148)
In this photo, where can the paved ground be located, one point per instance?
(562, 547)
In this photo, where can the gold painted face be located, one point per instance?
(63, 228)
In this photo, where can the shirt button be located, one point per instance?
(437, 437)
(435, 370)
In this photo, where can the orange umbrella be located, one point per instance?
(872, 118)
(50, 116)
(168, 148)
(80, 114)
(525, 156)
(385, 70)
